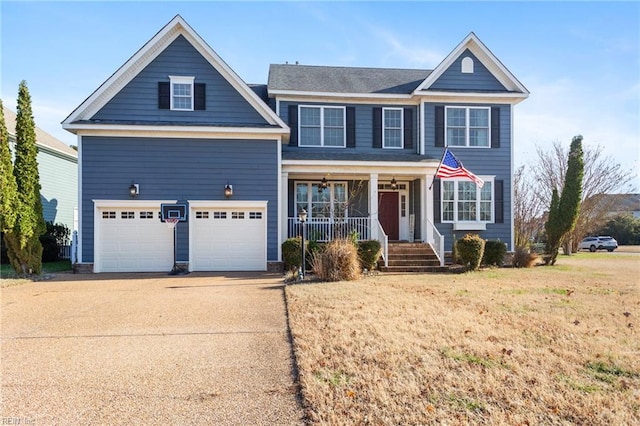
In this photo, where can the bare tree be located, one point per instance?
(527, 214)
(602, 175)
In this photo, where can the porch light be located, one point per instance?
(394, 184)
(134, 189)
(228, 190)
(323, 184)
(302, 216)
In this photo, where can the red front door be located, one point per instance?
(388, 214)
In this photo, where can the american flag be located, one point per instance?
(451, 167)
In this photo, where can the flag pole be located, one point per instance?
(438, 169)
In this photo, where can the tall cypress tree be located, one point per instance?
(23, 240)
(8, 188)
(563, 212)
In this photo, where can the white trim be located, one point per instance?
(421, 130)
(512, 144)
(285, 94)
(196, 132)
(322, 108)
(130, 69)
(484, 55)
(384, 109)
(180, 80)
(80, 200)
(467, 126)
(339, 166)
(229, 204)
(280, 200)
(478, 97)
(470, 226)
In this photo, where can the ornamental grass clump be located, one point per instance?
(469, 251)
(337, 262)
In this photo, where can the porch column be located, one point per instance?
(284, 208)
(425, 205)
(373, 204)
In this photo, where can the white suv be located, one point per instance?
(602, 242)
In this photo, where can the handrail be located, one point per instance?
(384, 242)
(438, 242)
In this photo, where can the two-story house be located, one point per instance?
(356, 148)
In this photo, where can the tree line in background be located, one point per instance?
(21, 218)
(593, 183)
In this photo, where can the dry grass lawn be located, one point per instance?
(547, 345)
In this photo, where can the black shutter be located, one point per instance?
(351, 127)
(439, 141)
(199, 96)
(495, 127)
(164, 95)
(498, 203)
(377, 127)
(408, 128)
(293, 124)
(436, 201)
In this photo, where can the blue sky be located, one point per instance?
(579, 60)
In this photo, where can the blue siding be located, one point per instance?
(480, 161)
(364, 128)
(480, 80)
(180, 169)
(138, 100)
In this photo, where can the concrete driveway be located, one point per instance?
(147, 349)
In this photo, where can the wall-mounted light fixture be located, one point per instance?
(394, 184)
(134, 190)
(228, 190)
(323, 184)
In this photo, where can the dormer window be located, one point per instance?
(181, 93)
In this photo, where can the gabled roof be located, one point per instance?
(489, 60)
(176, 27)
(43, 138)
(292, 79)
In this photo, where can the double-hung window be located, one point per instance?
(181, 93)
(468, 126)
(392, 130)
(322, 126)
(330, 202)
(464, 201)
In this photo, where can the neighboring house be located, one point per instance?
(357, 148)
(620, 204)
(58, 170)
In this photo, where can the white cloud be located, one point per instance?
(402, 53)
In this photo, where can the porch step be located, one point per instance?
(412, 257)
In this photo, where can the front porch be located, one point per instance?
(388, 207)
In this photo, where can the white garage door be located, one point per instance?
(228, 239)
(133, 240)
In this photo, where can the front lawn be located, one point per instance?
(547, 345)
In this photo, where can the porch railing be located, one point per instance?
(437, 243)
(327, 229)
(384, 243)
